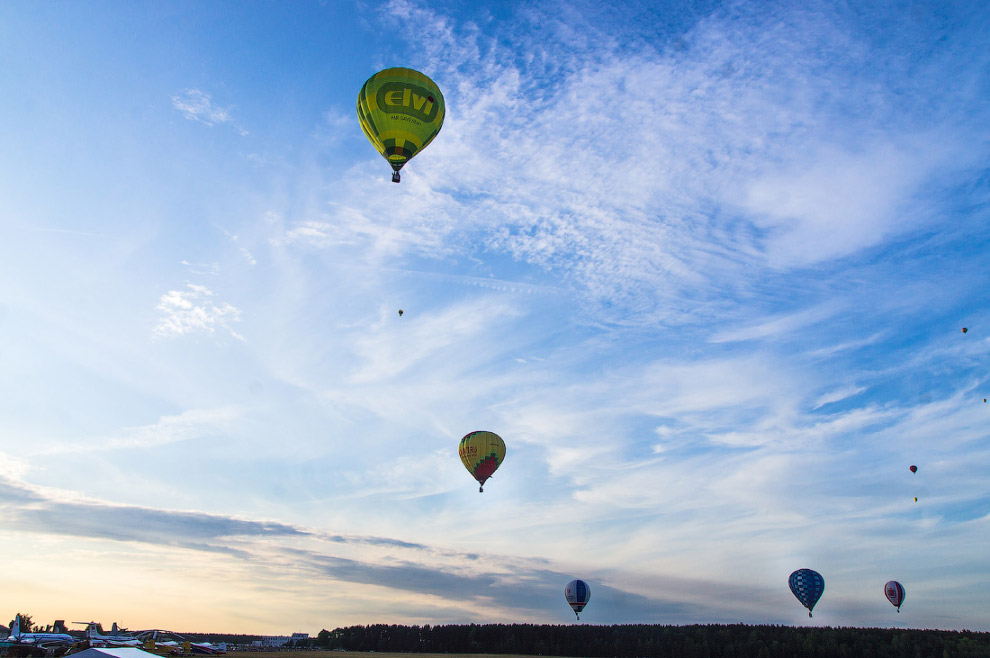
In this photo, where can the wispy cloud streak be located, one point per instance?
(197, 105)
(750, 142)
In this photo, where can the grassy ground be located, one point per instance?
(361, 654)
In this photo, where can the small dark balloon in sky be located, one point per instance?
(964, 329)
(400, 312)
(914, 469)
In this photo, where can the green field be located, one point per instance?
(360, 654)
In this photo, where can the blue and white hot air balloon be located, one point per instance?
(894, 592)
(808, 586)
(577, 594)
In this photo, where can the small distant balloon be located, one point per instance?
(915, 499)
(894, 592)
(914, 469)
(577, 594)
(400, 312)
(964, 329)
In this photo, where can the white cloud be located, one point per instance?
(777, 326)
(832, 201)
(663, 175)
(337, 127)
(12, 466)
(189, 425)
(837, 395)
(197, 105)
(847, 346)
(408, 344)
(193, 311)
(211, 269)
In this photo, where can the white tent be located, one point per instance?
(115, 652)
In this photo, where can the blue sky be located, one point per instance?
(703, 267)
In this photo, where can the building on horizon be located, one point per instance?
(282, 640)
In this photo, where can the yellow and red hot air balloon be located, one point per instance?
(400, 111)
(481, 452)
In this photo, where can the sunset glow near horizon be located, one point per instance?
(703, 266)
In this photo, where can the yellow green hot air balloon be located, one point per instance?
(482, 453)
(400, 111)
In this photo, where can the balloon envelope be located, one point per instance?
(914, 469)
(807, 585)
(577, 594)
(481, 453)
(400, 111)
(894, 592)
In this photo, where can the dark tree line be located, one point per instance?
(655, 641)
(27, 624)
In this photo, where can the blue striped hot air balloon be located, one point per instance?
(894, 592)
(577, 594)
(808, 586)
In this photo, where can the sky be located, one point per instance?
(703, 266)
